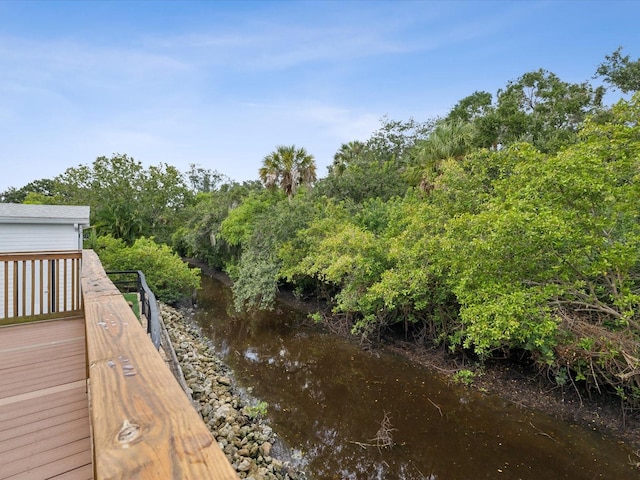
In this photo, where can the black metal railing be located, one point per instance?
(148, 303)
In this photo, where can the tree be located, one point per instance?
(164, 196)
(289, 168)
(620, 72)
(538, 107)
(127, 200)
(374, 169)
(450, 139)
(395, 138)
(370, 175)
(200, 236)
(550, 263)
(258, 227)
(204, 180)
(472, 107)
(347, 153)
(120, 220)
(543, 110)
(40, 188)
(479, 110)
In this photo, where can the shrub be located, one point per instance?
(167, 275)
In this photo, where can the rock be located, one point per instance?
(247, 444)
(225, 412)
(253, 450)
(244, 466)
(265, 449)
(196, 388)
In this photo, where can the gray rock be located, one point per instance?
(244, 466)
(265, 449)
(225, 412)
(247, 444)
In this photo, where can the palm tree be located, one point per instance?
(119, 220)
(288, 168)
(345, 155)
(450, 139)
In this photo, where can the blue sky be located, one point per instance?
(221, 84)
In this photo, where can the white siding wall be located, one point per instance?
(27, 237)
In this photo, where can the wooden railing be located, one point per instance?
(143, 425)
(39, 285)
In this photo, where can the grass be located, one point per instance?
(132, 299)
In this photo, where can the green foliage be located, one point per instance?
(200, 237)
(347, 153)
(345, 255)
(204, 180)
(120, 220)
(395, 138)
(341, 250)
(543, 110)
(374, 169)
(472, 107)
(257, 274)
(464, 377)
(288, 168)
(555, 252)
(366, 176)
(520, 232)
(538, 108)
(620, 71)
(132, 300)
(239, 225)
(451, 139)
(255, 281)
(257, 410)
(127, 201)
(167, 275)
(510, 249)
(43, 189)
(36, 198)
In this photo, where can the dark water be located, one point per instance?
(326, 398)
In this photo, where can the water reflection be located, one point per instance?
(327, 398)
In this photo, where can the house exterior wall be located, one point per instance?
(31, 237)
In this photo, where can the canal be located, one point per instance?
(327, 398)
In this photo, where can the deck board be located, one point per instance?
(44, 414)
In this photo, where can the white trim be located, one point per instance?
(39, 214)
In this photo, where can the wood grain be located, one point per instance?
(44, 414)
(143, 425)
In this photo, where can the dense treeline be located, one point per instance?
(509, 226)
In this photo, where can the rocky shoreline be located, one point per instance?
(233, 417)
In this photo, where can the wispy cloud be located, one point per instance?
(222, 83)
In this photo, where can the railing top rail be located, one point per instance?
(141, 421)
(51, 255)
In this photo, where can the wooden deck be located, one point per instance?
(44, 414)
(90, 397)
